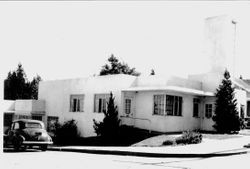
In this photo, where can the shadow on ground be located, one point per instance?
(11, 150)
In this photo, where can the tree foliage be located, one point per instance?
(152, 72)
(116, 67)
(226, 116)
(17, 86)
(110, 125)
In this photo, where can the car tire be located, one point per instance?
(44, 147)
(17, 144)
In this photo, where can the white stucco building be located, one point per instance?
(163, 104)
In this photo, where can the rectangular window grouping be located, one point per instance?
(167, 105)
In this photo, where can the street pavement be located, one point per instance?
(211, 153)
(36, 159)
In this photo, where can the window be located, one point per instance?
(16, 126)
(167, 105)
(177, 105)
(37, 117)
(248, 108)
(242, 111)
(127, 106)
(7, 119)
(170, 105)
(22, 116)
(51, 122)
(208, 110)
(76, 103)
(100, 104)
(33, 125)
(159, 104)
(196, 107)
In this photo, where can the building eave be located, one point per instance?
(170, 88)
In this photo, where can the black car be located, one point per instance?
(26, 132)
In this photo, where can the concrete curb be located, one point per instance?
(149, 154)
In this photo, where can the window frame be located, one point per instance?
(196, 102)
(75, 103)
(127, 106)
(103, 97)
(172, 105)
(54, 119)
(210, 110)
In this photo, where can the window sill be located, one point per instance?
(166, 115)
(76, 112)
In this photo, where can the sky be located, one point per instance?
(61, 40)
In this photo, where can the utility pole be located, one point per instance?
(234, 48)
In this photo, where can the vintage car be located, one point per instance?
(26, 132)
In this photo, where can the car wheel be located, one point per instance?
(17, 144)
(44, 147)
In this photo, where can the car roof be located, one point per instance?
(28, 120)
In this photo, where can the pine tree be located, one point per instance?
(17, 86)
(152, 72)
(109, 127)
(116, 67)
(226, 116)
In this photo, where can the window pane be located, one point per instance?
(51, 121)
(100, 102)
(159, 104)
(248, 108)
(76, 103)
(176, 106)
(37, 118)
(169, 104)
(127, 106)
(100, 105)
(196, 107)
(208, 110)
(16, 126)
(180, 106)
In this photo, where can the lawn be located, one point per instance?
(158, 140)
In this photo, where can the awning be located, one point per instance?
(170, 88)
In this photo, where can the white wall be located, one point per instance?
(23, 105)
(241, 97)
(207, 123)
(167, 81)
(144, 110)
(57, 97)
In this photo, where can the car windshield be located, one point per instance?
(33, 125)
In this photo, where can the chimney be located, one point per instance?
(220, 43)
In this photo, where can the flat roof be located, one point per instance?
(171, 88)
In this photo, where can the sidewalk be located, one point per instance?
(208, 148)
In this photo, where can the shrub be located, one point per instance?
(66, 133)
(110, 126)
(168, 142)
(189, 137)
